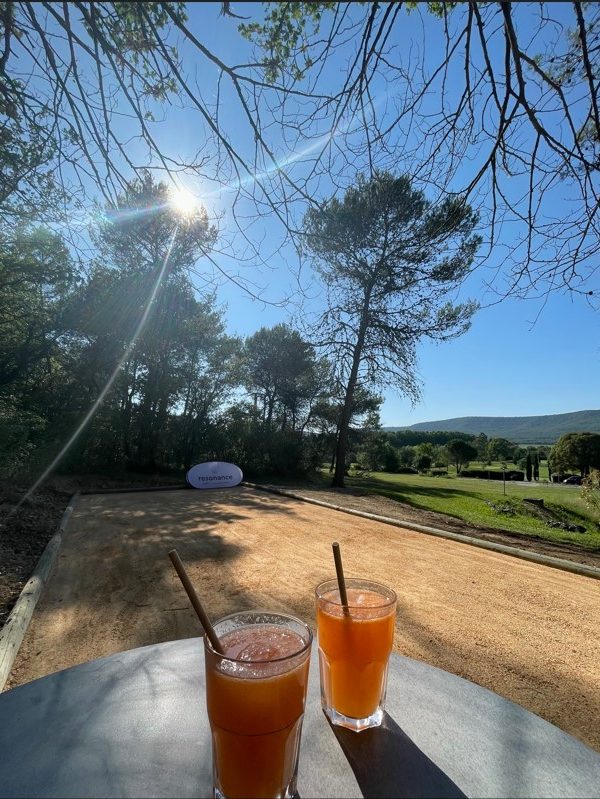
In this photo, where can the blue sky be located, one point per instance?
(521, 357)
(512, 362)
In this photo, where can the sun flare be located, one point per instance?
(183, 201)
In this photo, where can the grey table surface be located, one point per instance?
(134, 724)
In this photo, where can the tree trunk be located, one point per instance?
(270, 407)
(127, 410)
(332, 464)
(342, 440)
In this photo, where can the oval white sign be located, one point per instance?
(214, 474)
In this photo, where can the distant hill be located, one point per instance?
(520, 429)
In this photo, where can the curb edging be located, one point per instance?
(13, 631)
(504, 549)
(175, 487)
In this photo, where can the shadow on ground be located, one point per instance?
(387, 763)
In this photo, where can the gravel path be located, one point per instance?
(384, 506)
(525, 631)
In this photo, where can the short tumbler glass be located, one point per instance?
(255, 696)
(355, 644)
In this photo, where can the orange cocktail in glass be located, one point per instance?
(255, 696)
(355, 644)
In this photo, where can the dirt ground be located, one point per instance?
(392, 509)
(28, 522)
(24, 532)
(525, 631)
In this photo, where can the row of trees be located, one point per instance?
(72, 73)
(487, 449)
(577, 452)
(179, 388)
(573, 452)
(130, 330)
(128, 338)
(125, 349)
(387, 452)
(378, 452)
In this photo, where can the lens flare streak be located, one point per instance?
(109, 383)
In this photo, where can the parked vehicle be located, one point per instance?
(574, 480)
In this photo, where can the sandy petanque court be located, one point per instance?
(525, 631)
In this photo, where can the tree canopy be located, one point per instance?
(460, 452)
(496, 103)
(498, 110)
(515, 121)
(500, 449)
(282, 372)
(388, 259)
(576, 451)
(36, 272)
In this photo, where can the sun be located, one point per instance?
(183, 201)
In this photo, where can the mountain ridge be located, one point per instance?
(545, 429)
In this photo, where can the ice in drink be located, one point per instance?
(354, 649)
(255, 697)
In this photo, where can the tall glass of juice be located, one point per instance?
(255, 696)
(355, 643)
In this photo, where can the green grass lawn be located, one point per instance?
(466, 498)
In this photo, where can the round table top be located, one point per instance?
(135, 724)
